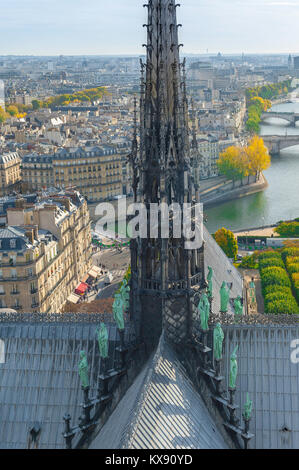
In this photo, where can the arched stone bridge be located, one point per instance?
(276, 143)
(292, 118)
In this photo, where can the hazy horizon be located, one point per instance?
(93, 27)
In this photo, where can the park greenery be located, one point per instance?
(11, 111)
(288, 229)
(237, 163)
(85, 96)
(19, 111)
(279, 271)
(258, 101)
(227, 241)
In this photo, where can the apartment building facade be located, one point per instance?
(10, 172)
(44, 252)
(94, 171)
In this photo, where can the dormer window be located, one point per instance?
(13, 243)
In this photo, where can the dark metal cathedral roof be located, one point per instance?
(39, 380)
(161, 410)
(267, 372)
(223, 270)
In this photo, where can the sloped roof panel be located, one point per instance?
(267, 373)
(39, 380)
(161, 410)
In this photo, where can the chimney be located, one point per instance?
(20, 203)
(30, 234)
(35, 231)
(67, 203)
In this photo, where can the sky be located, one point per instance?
(98, 27)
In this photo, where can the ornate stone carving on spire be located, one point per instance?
(165, 274)
(164, 136)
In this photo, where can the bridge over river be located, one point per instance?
(290, 117)
(276, 143)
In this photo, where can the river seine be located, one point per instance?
(281, 199)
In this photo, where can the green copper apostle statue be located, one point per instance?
(103, 340)
(204, 310)
(83, 370)
(118, 311)
(210, 282)
(238, 306)
(233, 369)
(218, 341)
(247, 408)
(224, 295)
(125, 293)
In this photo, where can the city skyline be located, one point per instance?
(72, 28)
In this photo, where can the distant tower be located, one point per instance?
(290, 62)
(165, 275)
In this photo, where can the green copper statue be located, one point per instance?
(83, 370)
(238, 306)
(118, 311)
(247, 409)
(233, 369)
(210, 282)
(103, 340)
(252, 292)
(218, 341)
(125, 293)
(224, 295)
(204, 310)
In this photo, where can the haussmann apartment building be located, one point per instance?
(45, 250)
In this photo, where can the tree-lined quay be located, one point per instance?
(258, 100)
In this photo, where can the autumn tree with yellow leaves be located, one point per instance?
(258, 157)
(232, 163)
(3, 115)
(236, 162)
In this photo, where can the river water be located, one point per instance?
(280, 200)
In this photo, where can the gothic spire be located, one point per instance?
(164, 146)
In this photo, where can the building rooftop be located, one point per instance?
(39, 380)
(161, 410)
(267, 373)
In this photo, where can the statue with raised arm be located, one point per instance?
(103, 340)
(118, 311)
(210, 282)
(233, 369)
(238, 306)
(204, 310)
(218, 336)
(224, 296)
(83, 370)
(247, 408)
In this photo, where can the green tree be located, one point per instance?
(37, 104)
(227, 241)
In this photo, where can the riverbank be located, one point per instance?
(285, 99)
(227, 192)
(268, 231)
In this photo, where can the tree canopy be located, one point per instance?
(237, 162)
(227, 241)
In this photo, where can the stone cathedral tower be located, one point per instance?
(165, 275)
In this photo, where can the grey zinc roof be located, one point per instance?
(161, 410)
(223, 269)
(266, 371)
(39, 380)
